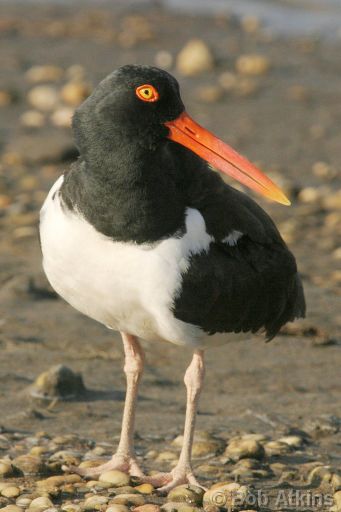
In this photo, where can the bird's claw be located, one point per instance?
(125, 463)
(165, 482)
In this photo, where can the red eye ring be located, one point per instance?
(147, 92)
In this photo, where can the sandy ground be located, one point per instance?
(287, 119)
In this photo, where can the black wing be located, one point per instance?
(248, 286)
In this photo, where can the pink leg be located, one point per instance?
(124, 459)
(183, 472)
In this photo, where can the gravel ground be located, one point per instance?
(276, 100)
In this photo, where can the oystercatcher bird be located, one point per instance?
(141, 235)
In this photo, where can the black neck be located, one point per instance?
(129, 193)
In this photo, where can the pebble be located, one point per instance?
(62, 117)
(337, 501)
(95, 502)
(75, 92)
(71, 507)
(294, 441)
(29, 464)
(252, 64)
(11, 508)
(298, 93)
(195, 58)
(332, 200)
(23, 501)
(276, 448)
(336, 482)
(250, 24)
(209, 93)
(118, 508)
(32, 119)
(148, 507)
(129, 499)
(230, 496)
(48, 73)
(240, 448)
(43, 97)
(58, 382)
(145, 488)
(228, 80)
(164, 59)
(172, 506)
(39, 504)
(115, 477)
(191, 494)
(166, 455)
(10, 492)
(6, 469)
(309, 195)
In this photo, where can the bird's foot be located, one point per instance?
(126, 463)
(164, 482)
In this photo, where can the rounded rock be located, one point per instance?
(145, 488)
(11, 508)
(115, 477)
(43, 97)
(48, 73)
(172, 506)
(95, 502)
(73, 93)
(148, 507)
(10, 492)
(230, 496)
(194, 58)
(40, 504)
(252, 64)
(116, 507)
(244, 449)
(186, 493)
(32, 119)
(6, 469)
(294, 441)
(63, 118)
(29, 464)
(276, 448)
(129, 500)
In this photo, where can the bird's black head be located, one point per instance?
(129, 105)
(139, 107)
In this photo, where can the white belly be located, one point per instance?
(128, 287)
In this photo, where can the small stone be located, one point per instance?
(332, 201)
(337, 501)
(73, 93)
(240, 448)
(294, 441)
(6, 469)
(11, 508)
(191, 494)
(32, 119)
(166, 455)
(43, 97)
(145, 489)
(23, 501)
(117, 508)
(129, 500)
(58, 382)
(29, 464)
(95, 502)
(172, 506)
(5, 201)
(195, 58)
(164, 59)
(231, 496)
(62, 117)
(276, 448)
(48, 73)
(40, 504)
(148, 507)
(309, 195)
(58, 481)
(252, 64)
(336, 482)
(205, 448)
(250, 24)
(246, 87)
(115, 477)
(209, 93)
(10, 492)
(71, 507)
(228, 80)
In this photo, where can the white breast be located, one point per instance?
(128, 287)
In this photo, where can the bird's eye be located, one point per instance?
(147, 93)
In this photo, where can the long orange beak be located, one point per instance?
(190, 134)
